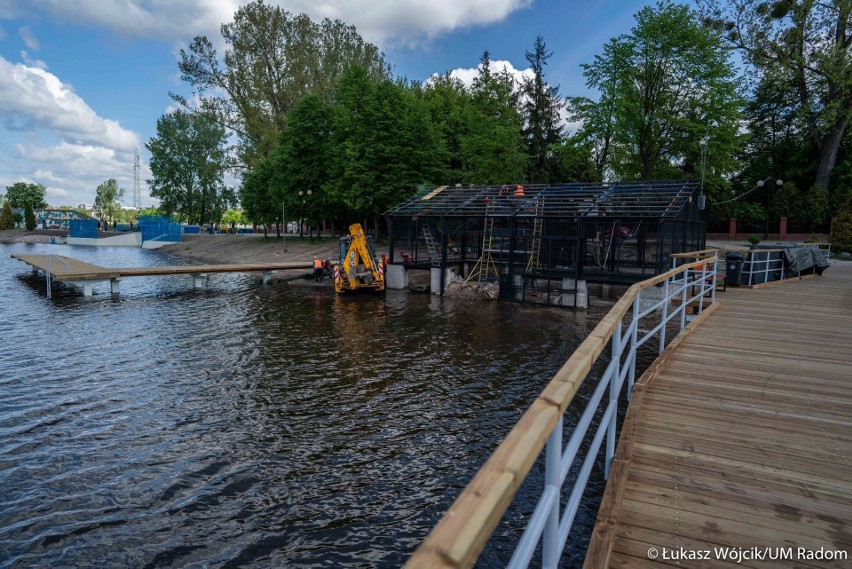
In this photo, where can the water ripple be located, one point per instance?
(250, 425)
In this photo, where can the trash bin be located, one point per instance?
(733, 268)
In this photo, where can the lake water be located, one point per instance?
(252, 425)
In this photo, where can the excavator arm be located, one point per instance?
(358, 268)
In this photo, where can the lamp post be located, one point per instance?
(284, 226)
(705, 150)
(779, 183)
(304, 202)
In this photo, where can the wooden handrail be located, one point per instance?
(692, 254)
(462, 532)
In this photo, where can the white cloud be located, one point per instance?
(32, 62)
(408, 21)
(467, 74)
(378, 21)
(32, 98)
(28, 38)
(72, 172)
(53, 137)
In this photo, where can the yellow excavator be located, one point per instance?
(358, 268)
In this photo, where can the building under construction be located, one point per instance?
(540, 241)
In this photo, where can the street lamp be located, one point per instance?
(304, 202)
(705, 150)
(779, 183)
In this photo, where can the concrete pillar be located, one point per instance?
(732, 229)
(582, 300)
(606, 292)
(114, 287)
(396, 277)
(198, 280)
(435, 282)
(782, 229)
(267, 276)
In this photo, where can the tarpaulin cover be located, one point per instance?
(804, 258)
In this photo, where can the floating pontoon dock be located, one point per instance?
(66, 269)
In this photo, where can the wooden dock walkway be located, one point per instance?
(72, 270)
(743, 439)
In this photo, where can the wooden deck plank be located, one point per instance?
(744, 437)
(68, 269)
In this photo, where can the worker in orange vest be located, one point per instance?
(317, 270)
(519, 191)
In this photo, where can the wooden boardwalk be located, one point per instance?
(68, 269)
(742, 440)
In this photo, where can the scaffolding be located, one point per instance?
(536, 238)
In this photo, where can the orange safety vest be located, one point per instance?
(519, 191)
(317, 264)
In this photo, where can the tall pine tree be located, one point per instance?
(541, 106)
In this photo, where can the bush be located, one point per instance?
(18, 217)
(6, 219)
(814, 208)
(753, 239)
(841, 233)
(29, 217)
(750, 216)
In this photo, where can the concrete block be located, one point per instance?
(396, 277)
(567, 299)
(435, 279)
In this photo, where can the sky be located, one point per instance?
(83, 82)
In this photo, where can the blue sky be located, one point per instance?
(82, 82)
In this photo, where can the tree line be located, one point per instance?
(310, 119)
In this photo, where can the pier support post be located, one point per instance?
(87, 289)
(198, 280)
(267, 276)
(114, 285)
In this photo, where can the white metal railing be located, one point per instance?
(463, 531)
(47, 275)
(763, 270)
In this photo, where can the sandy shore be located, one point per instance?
(235, 249)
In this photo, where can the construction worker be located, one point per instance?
(519, 191)
(317, 270)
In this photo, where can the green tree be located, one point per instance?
(108, 199)
(815, 208)
(274, 59)
(384, 144)
(6, 220)
(301, 162)
(662, 87)
(541, 107)
(20, 194)
(188, 162)
(29, 217)
(804, 46)
(494, 151)
(841, 231)
(448, 102)
(750, 216)
(257, 197)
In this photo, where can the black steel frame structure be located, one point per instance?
(532, 237)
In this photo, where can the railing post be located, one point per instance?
(613, 397)
(633, 339)
(666, 293)
(703, 288)
(550, 545)
(47, 276)
(715, 280)
(683, 300)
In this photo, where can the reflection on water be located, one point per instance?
(250, 425)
